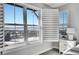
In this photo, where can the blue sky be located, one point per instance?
(63, 14)
(31, 18)
(9, 15)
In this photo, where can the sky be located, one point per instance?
(63, 15)
(9, 15)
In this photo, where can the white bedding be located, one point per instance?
(77, 45)
(74, 50)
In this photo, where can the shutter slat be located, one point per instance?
(50, 24)
(1, 26)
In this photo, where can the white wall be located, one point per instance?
(73, 20)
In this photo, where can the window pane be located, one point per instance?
(30, 17)
(20, 33)
(36, 20)
(33, 25)
(63, 18)
(19, 15)
(8, 13)
(20, 26)
(16, 33)
(14, 26)
(36, 27)
(9, 33)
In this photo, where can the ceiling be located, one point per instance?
(48, 5)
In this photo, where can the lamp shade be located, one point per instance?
(70, 30)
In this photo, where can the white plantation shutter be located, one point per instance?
(1, 27)
(50, 24)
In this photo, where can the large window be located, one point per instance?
(13, 23)
(33, 24)
(63, 21)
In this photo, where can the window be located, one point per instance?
(63, 20)
(33, 25)
(14, 25)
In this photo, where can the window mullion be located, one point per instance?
(15, 22)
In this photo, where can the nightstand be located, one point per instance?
(66, 45)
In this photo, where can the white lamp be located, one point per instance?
(70, 32)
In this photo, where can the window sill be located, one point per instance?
(51, 40)
(14, 46)
(34, 42)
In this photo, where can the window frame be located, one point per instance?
(39, 25)
(25, 23)
(15, 24)
(63, 13)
